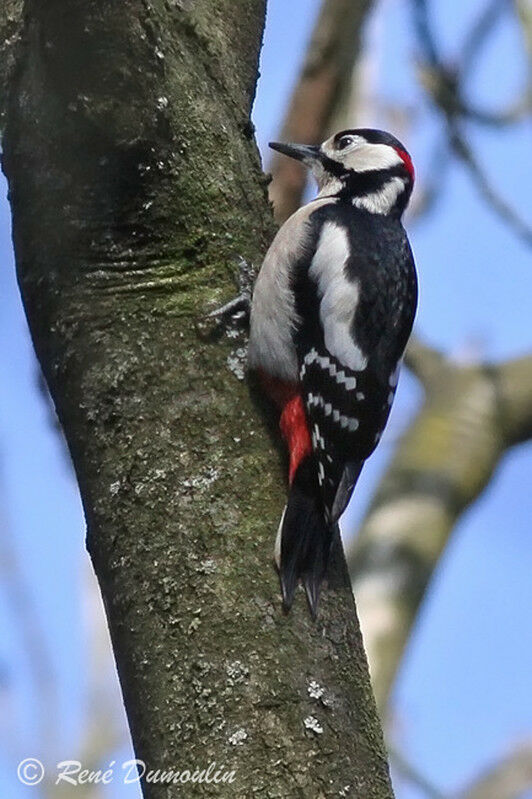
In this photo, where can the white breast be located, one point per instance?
(338, 296)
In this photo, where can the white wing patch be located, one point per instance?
(338, 296)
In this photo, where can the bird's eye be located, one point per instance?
(344, 142)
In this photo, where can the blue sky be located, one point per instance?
(463, 696)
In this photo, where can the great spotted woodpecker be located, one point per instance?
(331, 312)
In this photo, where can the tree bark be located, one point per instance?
(10, 32)
(134, 182)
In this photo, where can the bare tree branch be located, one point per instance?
(432, 369)
(470, 417)
(480, 30)
(506, 213)
(524, 12)
(320, 88)
(423, 361)
(444, 84)
(507, 779)
(104, 725)
(412, 775)
(35, 646)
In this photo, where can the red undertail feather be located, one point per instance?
(293, 421)
(294, 428)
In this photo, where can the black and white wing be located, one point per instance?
(347, 412)
(356, 316)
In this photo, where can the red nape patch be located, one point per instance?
(407, 162)
(294, 428)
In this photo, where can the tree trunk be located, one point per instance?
(134, 182)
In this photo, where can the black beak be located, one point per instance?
(301, 152)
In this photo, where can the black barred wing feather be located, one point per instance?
(355, 295)
(347, 412)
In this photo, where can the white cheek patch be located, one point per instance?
(338, 296)
(369, 157)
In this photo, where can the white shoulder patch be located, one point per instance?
(382, 201)
(338, 296)
(368, 157)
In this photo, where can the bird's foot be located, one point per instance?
(235, 313)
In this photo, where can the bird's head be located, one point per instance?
(367, 167)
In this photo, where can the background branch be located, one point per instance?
(445, 86)
(524, 12)
(29, 625)
(471, 415)
(507, 779)
(321, 88)
(104, 726)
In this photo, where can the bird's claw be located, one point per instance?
(238, 309)
(235, 309)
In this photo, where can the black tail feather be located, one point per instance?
(305, 539)
(312, 590)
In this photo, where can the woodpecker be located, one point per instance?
(331, 312)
